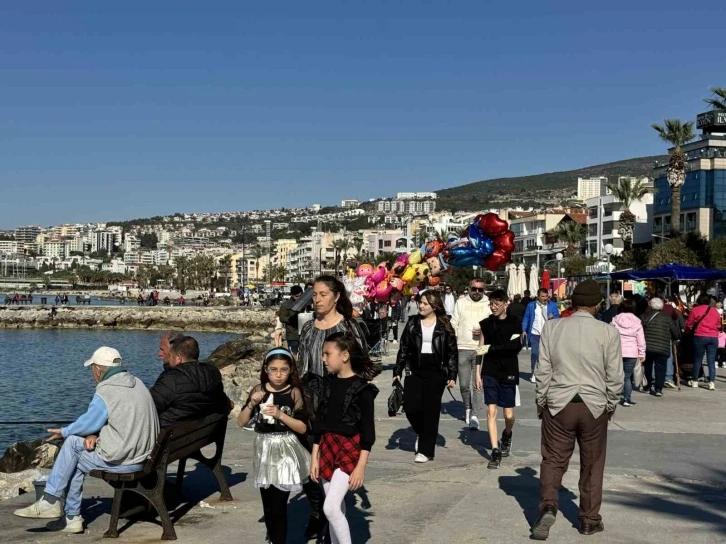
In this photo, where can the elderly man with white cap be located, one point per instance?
(116, 434)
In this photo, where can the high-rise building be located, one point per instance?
(591, 187)
(102, 240)
(27, 238)
(703, 195)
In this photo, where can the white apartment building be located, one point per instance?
(27, 238)
(419, 195)
(116, 266)
(8, 246)
(350, 203)
(406, 206)
(131, 243)
(56, 248)
(591, 187)
(603, 223)
(533, 241)
(102, 240)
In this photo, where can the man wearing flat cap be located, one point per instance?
(579, 381)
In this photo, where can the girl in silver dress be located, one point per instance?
(281, 464)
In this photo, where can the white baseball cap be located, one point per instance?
(104, 356)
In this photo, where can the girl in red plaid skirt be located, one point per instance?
(344, 429)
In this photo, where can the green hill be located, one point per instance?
(538, 190)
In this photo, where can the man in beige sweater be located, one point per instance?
(579, 381)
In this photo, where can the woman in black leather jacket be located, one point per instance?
(429, 354)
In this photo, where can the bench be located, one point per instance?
(176, 443)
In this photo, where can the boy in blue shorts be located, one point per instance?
(497, 371)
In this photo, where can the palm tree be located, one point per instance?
(257, 253)
(344, 248)
(677, 133)
(182, 270)
(358, 244)
(718, 100)
(628, 190)
(337, 246)
(573, 234)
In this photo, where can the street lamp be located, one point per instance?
(608, 251)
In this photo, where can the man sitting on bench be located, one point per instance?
(123, 415)
(187, 389)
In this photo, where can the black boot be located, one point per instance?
(318, 524)
(541, 528)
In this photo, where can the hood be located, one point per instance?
(626, 321)
(123, 379)
(204, 376)
(484, 301)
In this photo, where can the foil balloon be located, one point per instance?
(399, 267)
(380, 274)
(397, 283)
(364, 270)
(497, 259)
(357, 290)
(437, 265)
(409, 274)
(432, 249)
(505, 242)
(407, 291)
(422, 272)
(434, 281)
(491, 224)
(414, 257)
(472, 249)
(383, 291)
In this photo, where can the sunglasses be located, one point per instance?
(476, 289)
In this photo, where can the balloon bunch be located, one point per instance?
(486, 242)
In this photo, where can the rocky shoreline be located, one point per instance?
(217, 319)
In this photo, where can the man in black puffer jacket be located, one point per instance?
(188, 389)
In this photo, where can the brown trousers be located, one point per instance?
(573, 423)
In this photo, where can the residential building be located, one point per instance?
(283, 246)
(116, 266)
(603, 223)
(351, 203)
(591, 187)
(8, 247)
(703, 195)
(56, 248)
(103, 240)
(406, 206)
(412, 196)
(27, 238)
(533, 239)
(131, 243)
(385, 241)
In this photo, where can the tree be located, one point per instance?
(573, 234)
(632, 259)
(675, 250)
(257, 253)
(149, 240)
(576, 265)
(358, 244)
(676, 133)
(717, 253)
(628, 190)
(718, 100)
(386, 257)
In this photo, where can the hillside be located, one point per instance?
(537, 190)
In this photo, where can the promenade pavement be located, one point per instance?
(665, 482)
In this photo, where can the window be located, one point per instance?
(387, 243)
(658, 225)
(380, 244)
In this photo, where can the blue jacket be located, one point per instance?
(528, 320)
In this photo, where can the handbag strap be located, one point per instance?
(695, 326)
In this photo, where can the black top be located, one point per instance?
(516, 309)
(501, 361)
(190, 390)
(347, 409)
(289, 401)
(288, 317)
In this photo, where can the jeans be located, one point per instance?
(534, 342)
(669, 366)
(467, 385)
(628, 367)
(659, 361)
(70, 469)
(709, 345)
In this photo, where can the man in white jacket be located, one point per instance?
(469, 312)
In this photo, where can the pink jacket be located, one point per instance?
(632, 338)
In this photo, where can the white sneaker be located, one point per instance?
(474, 423)
(467, 417)
(711, 386)
(41, 509)
(533, 379)
(73, 525)
(420, 458)
(694, 384)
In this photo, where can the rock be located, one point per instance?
(12, 485)
(231, 353)
(252, 321)
(24, 455)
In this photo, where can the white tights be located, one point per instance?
(334, 506)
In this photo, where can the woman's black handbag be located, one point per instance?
(395, 399)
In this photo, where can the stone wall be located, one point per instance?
(242, 320)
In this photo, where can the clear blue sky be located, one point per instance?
(116, 110)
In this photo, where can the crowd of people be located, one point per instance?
(313, 410)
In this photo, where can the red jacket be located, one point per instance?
(568, 312)
(709, 325)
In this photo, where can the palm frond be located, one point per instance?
(718, 100)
